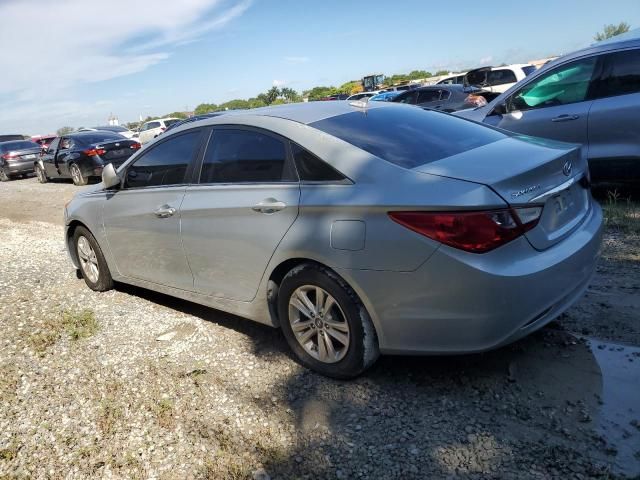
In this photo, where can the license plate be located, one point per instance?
(29, 156)
(563, 202)
(117, 153)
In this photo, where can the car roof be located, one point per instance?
(304, 113)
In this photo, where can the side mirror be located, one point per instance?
(109, 176)
(500, 109)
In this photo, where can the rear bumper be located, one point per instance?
(17, 168)
(458, 302)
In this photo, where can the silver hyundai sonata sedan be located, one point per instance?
(358, 229)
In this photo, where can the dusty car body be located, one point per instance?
(381, 229)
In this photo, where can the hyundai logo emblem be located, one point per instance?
(567, 167)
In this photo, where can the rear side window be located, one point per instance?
(238, 156)
(165, 164)
(407, 136)
(620, 75)
(528, 69)
(311, 168)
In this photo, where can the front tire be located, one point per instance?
(42, 177)
(93, 266)
(76, 175)
(325, 323)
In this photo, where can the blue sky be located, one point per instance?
(150, 57)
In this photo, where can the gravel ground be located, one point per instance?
(134, 384)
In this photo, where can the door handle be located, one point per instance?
(269, 206)
(565, 118)
(164, 211)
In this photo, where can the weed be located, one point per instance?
(621, 214)
(79, 325)
(164, 412)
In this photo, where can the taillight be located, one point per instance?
(95, 151)
(162, 129)
(135, 146)
(476, 100)
(10, 156)
(476, 232)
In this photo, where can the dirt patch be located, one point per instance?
(149, 386)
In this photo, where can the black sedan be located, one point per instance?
(82, 155)
(16, 158)
(446, 98)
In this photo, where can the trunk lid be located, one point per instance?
(117, 151)
(528, 173)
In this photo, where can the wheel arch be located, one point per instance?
(70, 230)
(278, 273)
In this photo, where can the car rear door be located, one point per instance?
(234, 218)
(142, 218)
(553, 105)
(614, 119)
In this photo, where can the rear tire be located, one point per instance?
(42, 177)
(76, 175)
(348, 337)
(93, 266)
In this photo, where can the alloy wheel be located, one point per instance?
(88, 259)
(40, 174)
(76, 175)
(319, 324)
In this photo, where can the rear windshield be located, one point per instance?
(112, 128)
(171, 122)
(98, 137)
(18, 145)
(408, 136)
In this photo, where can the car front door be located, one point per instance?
(142, 217)
(554, 105)
(48, 159)
(62, 156)
(614, 119)
(233, 220)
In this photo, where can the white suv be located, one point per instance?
(153, 128)
(493, 79)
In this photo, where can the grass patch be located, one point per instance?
(621, 214)
(78, 325)
(164, 411)
(9, 452)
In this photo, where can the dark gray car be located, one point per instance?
(447, 98)
(591, 97)
(17, 158)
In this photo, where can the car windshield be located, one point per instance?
(18, 145)
(407, 136)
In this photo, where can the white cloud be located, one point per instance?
(279, 83)
(50, 47)
(296, 59)
(486, 60)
